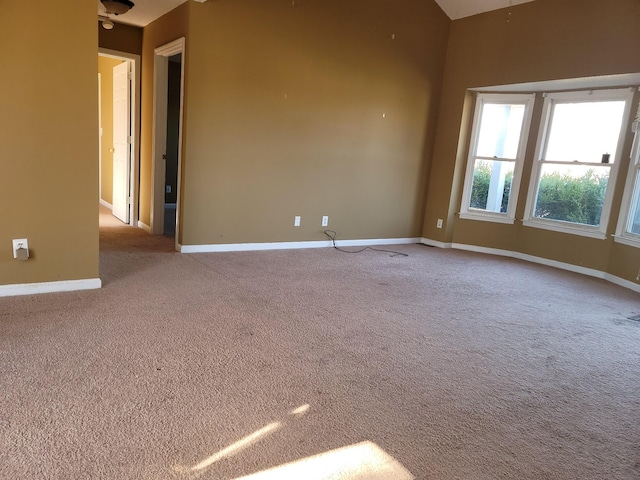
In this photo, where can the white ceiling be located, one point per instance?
(605, 81)
(146, 11)
(465, 8)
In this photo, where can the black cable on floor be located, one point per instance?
(332, 235)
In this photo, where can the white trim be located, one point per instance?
(104, 203)
(99, 136)
(530, 258)
(485, 216)
(160, 82)
(171, 48)
(632, 183)
(622, 282)
(540, 260)
(527, 100)
(144, 226)
(582, 83)
(435, 243)
(49, 287)
(581, 96)
(628, 240)
(378, 241)
(249, 247)
(134, 181)
(566, 227)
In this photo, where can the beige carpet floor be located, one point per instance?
(315, 364)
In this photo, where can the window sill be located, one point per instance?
(565, 227)
(627, 240)
(487, 217)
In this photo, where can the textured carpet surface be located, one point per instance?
(444, 364)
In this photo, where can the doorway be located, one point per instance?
(168, 100)
(174, 77)
(119, 134)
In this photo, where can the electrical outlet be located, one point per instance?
(18, 244)
(296, 221)
(167, 189)
(439, 223)
(325, 221)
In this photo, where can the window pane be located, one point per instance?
(572, 193)
(585, 131)
(491, 185)
(634, 213)
(500, 128)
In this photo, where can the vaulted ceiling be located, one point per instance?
(146, 11)
(465, 8)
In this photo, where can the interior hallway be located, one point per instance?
(117, 236)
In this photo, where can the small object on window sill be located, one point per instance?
(605, 157)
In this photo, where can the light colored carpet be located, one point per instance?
(315, 364)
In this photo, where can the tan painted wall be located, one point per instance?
(169, 27)
(105, 68)
(49, 138)
(123, 38)
(541, 40)
(285, 117)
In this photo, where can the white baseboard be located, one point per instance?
(377, 242)
(434, 243)
(247, 247)
(49, 287)
(144, 226)
(104, 203)
(540, 260)
(622, 282)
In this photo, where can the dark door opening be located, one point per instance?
(173, 133)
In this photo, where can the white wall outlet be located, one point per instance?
(325, 221)
(167, 189)
(19, 244)
(296, 221)
(439, 223)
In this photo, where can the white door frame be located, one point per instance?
(134, 174)
(122, 151)
(160, 89)
(99, 137)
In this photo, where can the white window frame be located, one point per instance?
(632, 185)
(466, 212)
(551, 99)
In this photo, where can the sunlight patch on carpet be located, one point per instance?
(234, 448)
(244, 443)
(301, 410)
(361, 461)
